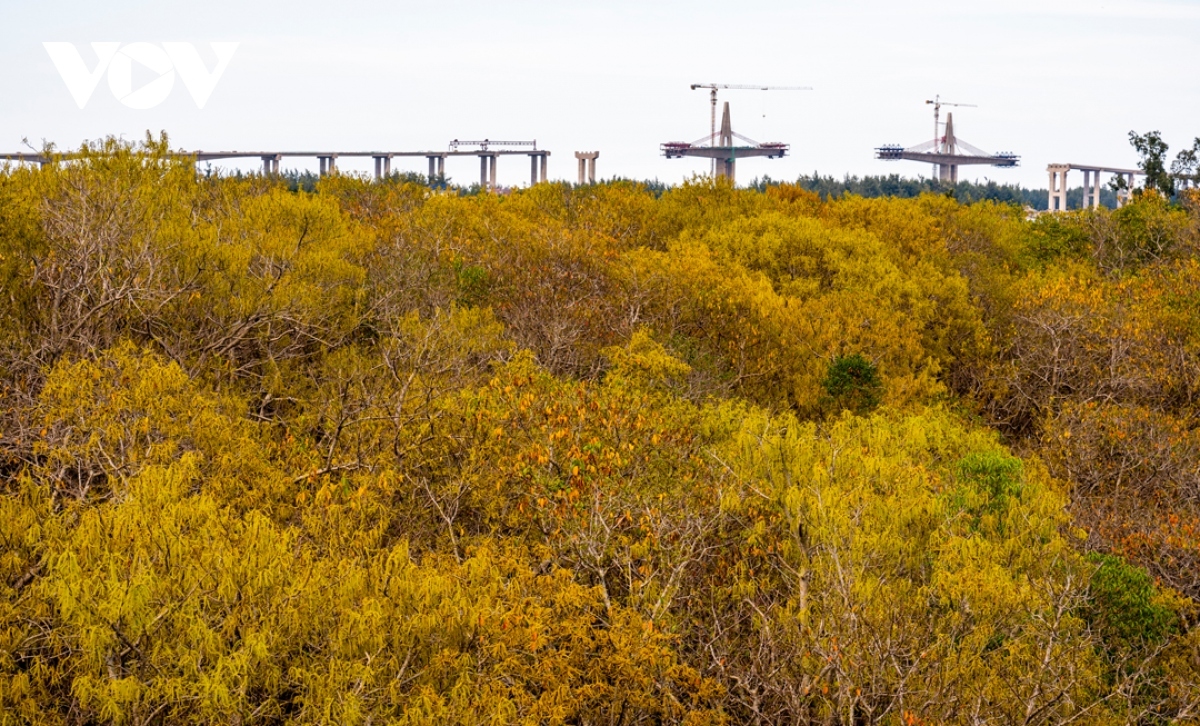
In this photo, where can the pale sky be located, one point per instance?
(1054, 80)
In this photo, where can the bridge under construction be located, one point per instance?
(487, 153)
(721, 148)
(1057, 201)
(946, 154)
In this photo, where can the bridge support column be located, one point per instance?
(1125, 194)
(1091, 188)
(1057, 201)
(487, 171)
(437, 167)
(271, 164)
(383, 166)
(328, 164)
(587, 166)
(537, 161)
(727, 169)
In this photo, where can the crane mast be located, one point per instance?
(937, 108)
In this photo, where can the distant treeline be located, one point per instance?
(828, 187)
(894, 185)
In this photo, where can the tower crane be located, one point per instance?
(937, 108)
(714, 87)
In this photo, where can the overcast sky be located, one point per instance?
(1054, 80)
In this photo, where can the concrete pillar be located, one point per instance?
(587, 165)
(1087, 189)
(328, 164)
(727, 168)
(533, 169)
(1125, 194)
(271, 163)
(544, 167)
(441, 167)
(1096, 190)
(432, 172)
(487, 171)
(1058, 187)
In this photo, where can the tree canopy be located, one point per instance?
(381, 452)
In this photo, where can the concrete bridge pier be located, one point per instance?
(383, 165)
(587, 166)
(487, 171)
(534, 161)
(1058, 187)
(328, 164)
(437, 166)
(271, 163)
(948, 173)
(1126, 194)
(727, 168)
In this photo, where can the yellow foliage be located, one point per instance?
(382, 453)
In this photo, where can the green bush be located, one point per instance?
(852, 383)
(1125, 607)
